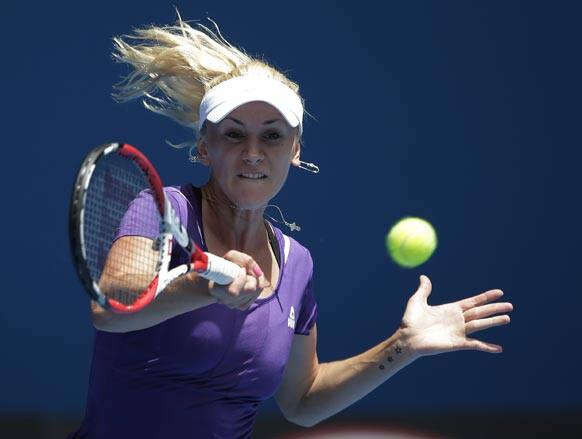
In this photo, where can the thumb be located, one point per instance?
(425, 287)
(258, 273)
(263, 282)
(253, 268)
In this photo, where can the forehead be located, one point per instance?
(253, 112)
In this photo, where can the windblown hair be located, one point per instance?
(173, 66)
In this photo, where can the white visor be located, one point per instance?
(227, 96)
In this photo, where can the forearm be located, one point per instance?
(339, 384)
(182, 295)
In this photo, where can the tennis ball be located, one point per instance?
(411, 241)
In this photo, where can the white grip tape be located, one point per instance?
(220, 270)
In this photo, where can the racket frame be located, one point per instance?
(171, 230)
(163, 241)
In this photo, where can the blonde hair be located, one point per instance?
(174, 66)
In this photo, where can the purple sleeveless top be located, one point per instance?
(201, 374)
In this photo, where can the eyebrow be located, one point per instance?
(240, 123)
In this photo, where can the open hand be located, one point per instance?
(432, 330)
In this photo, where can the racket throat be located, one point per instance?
(171, 224)
(199, 261)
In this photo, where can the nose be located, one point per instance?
(253, 153)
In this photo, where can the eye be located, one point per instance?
(234, 135)
(274, 135)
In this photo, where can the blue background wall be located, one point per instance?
(465, 114)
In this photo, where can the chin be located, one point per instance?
(249, 200)
(251, 206)
(250, 195)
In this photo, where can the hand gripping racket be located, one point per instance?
(125, 274)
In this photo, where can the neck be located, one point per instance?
(235, 228)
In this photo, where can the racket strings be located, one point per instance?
(123, 267)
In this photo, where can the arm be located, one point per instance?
(313, 391)
(184, 294)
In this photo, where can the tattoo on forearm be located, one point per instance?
(390, 359)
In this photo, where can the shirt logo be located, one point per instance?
(291, 319)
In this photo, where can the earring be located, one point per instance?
(195, 159)
(194, 156)
(308, 167)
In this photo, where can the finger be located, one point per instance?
(234, 294)
(245, 261)
(480, 299)
(236, 256)
(478, 345)
(252, 267)
(257, 270)
(479, 325)
(481, 312)
(233, 290)
(264, 283)
(250, 287)
(424, 288)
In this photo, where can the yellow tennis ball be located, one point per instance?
(411, 242)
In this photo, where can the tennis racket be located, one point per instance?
(124, 274)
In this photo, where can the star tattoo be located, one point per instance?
(390, 359)
(398, 349)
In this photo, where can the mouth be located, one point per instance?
(252, 176)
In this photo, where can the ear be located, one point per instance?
(296, 153)
(203, 152)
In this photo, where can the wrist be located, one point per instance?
(188, 292)
(406, 340)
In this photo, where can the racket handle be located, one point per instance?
(220, 270)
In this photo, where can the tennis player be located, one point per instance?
(200, 359)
